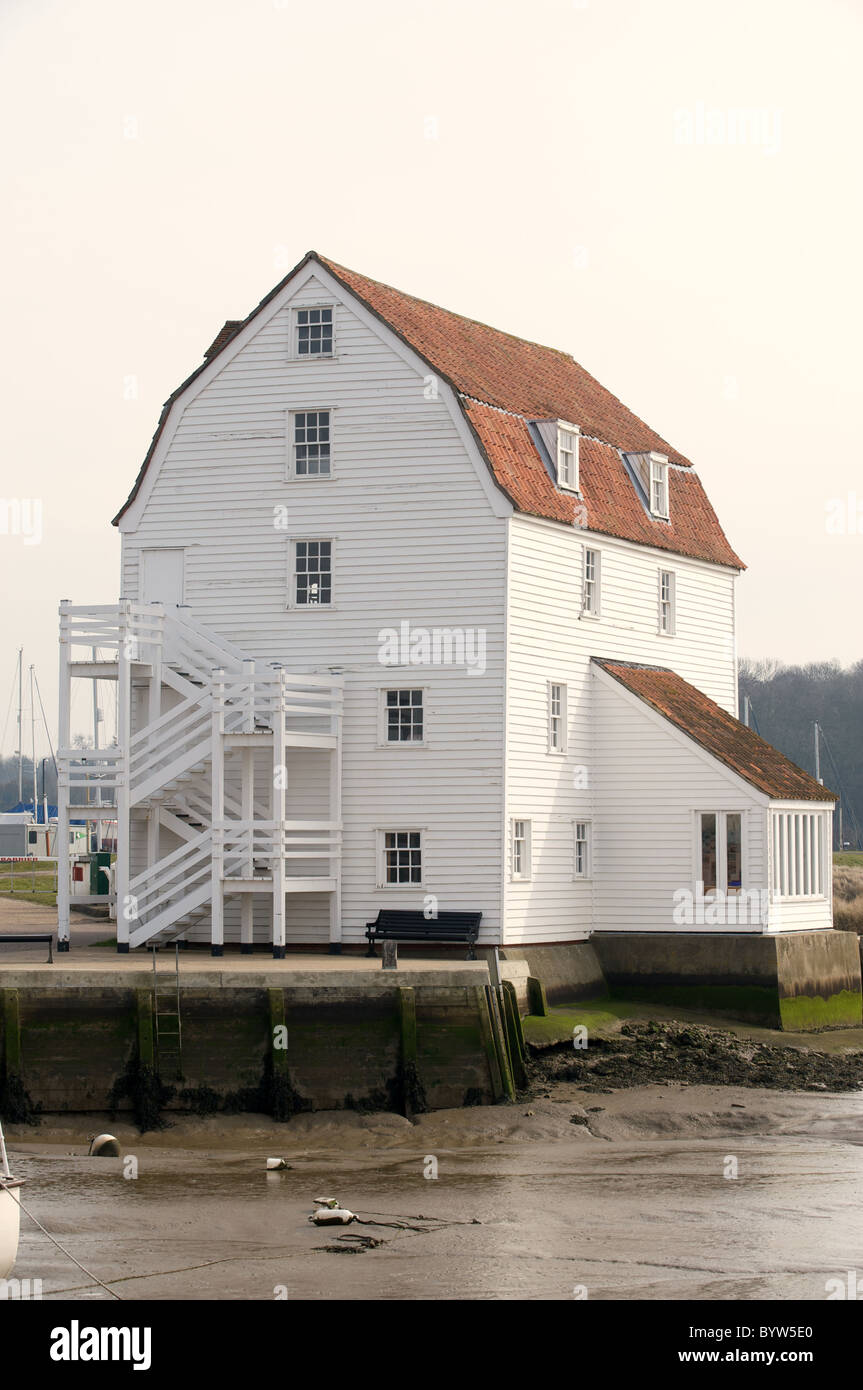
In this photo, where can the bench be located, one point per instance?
(452, 928)
(23, 937)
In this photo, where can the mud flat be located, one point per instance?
(622, 1195)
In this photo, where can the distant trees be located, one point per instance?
(787, 700)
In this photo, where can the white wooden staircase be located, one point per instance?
(199, 782)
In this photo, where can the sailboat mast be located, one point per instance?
(33, 745)
(95, 652)
(20, 725)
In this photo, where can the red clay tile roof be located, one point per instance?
(487, 369)
(609, 502)
(723, 736)
(224, 335)
(511, 373)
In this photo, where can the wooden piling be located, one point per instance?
(537, 1004)
(488, 1044)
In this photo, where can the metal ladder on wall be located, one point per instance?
(167, 1022)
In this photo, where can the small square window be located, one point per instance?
(312, 444)
(403, 716)
(313, 573)
(314, 332)
(402, 858)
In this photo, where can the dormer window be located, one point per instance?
(567, 455)
(659, 485)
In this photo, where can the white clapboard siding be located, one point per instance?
(547, 641)
(421, 536)
(416, 540)
(650, 781)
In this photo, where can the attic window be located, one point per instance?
(314, 332)
(659, 485)
(567, 455)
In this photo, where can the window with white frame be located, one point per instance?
(567, 455)
(800, 854)
(720, 851)
(590, 583)
(520, 849)
(313, 573)
(666, 602)
(582, 868)
(556, 717)
(402, 716)
(314, 332)
(311, 444)
(659, 485)
(400, 858)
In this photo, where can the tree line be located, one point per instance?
(787, 701)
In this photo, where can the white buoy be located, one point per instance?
(332, 1216)
(105, 1146)
(273, 1163)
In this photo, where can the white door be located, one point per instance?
(162, 573)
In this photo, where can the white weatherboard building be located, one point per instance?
(417, 614)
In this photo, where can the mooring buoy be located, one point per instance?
(104, 1146)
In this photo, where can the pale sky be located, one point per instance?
(669, 190)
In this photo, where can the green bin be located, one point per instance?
(98, 880)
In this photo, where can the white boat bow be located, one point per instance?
(10, 1212)
(10, 1221)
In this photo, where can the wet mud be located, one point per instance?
(642, 1054)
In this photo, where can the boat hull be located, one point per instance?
(10, 1223)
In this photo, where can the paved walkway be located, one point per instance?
(90, 963)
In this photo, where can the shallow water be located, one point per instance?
(560, 1209)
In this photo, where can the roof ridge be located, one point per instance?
(440, 309)
(536, 419)
(632, 665)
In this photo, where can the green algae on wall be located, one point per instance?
(755, 1003)
(808, 1013)
(800, 1013)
